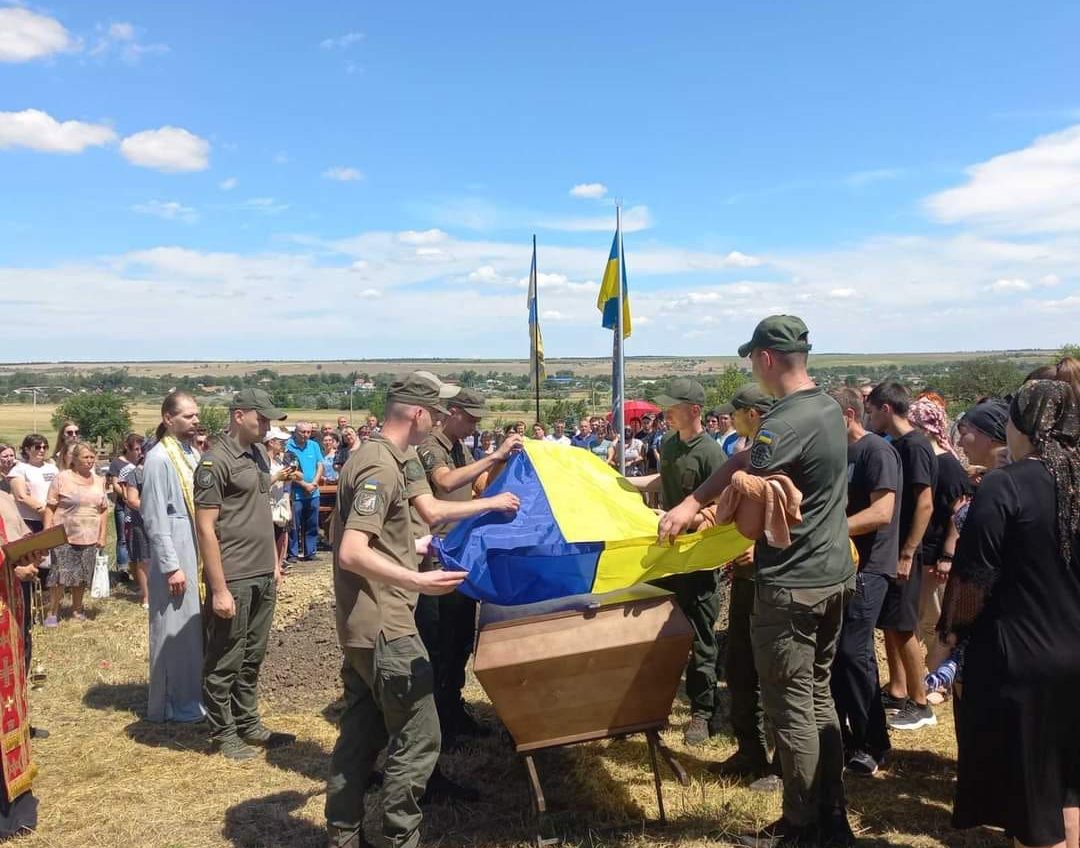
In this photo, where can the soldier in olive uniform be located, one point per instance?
(800, 590)
(389, 684)
(240, 565)
(751, 760)
(688, 457)
(448, 622)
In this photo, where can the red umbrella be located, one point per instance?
(635, 409)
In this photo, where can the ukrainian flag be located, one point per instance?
(581, 529)
(608, 299)
(537, 372)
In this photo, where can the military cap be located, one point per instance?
(474, 403)
(783, 333)
(752, 396)
(419, 388)
(259, 400)
(682, 390)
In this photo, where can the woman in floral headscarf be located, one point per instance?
(1015, 595)
(939, 542)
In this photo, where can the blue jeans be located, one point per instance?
(305, 523)
(121, 540)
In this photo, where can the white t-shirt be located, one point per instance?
(38, 479)
(565, 440)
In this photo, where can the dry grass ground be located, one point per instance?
(109, 778)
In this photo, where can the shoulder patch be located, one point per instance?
(366, 501)
(415, 471)
(204, 478)
(761, 454)
(206, 462)
(764, 437)
(427, 458)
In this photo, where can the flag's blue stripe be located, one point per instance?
(520, 559)
(611, 313)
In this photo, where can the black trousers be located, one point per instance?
(855, 685)
(447, 627)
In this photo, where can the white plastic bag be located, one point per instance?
(99, 588)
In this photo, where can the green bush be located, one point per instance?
(104, 416)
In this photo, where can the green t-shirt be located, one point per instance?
(803, 436)
(686, 465)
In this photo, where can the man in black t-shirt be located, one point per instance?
(887, 407)
(873, 510)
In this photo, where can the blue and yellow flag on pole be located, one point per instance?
(608, 299)
(581, 528)
(537, 371)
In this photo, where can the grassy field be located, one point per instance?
(109, 778)
(636, 366)
(16, 420)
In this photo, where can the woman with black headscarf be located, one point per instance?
(1015, 595)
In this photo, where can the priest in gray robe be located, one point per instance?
(176, 634)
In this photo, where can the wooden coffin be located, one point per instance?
(582, 668)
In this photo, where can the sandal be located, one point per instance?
(78, 615)
(51, 621)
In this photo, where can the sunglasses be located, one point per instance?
(71, 432)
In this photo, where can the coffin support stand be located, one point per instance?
(656, 747)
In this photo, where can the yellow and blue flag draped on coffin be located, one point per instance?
(581, 529)
(608, 299)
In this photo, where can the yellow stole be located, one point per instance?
(183, 463)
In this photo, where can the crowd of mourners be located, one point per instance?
(964, 556)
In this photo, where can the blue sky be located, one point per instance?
(262, 180)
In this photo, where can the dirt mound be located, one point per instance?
(303, 661)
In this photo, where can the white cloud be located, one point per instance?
(170, 210)
(26, 35)
(422, 237)
(876, 175)
(122, 31)
(281, 158)
(552, 315)
(1010, 285)
(266, 205)
(121, 38)
(592, 191)
(342, 41)
(634, 219)
(343, 174)
(1036, 189)
(229, 184)
(38, 130)
(486, 274)
(842, 294)
(1050, 280)
(371, 293)
(168, 149)
(735, 259)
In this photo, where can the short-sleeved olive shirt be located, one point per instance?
(803, 436)
(416, 483)
(686, 465)
(440, 451)
(373, 496)
(236, 480)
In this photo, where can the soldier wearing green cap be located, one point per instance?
(688, 457)
(800, 590)
(448, 622)
(748, 407)
(388, 679)
(231, 488)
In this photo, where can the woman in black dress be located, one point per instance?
(1015, 594)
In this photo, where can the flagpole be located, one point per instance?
(620, 419)
(535, 329)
